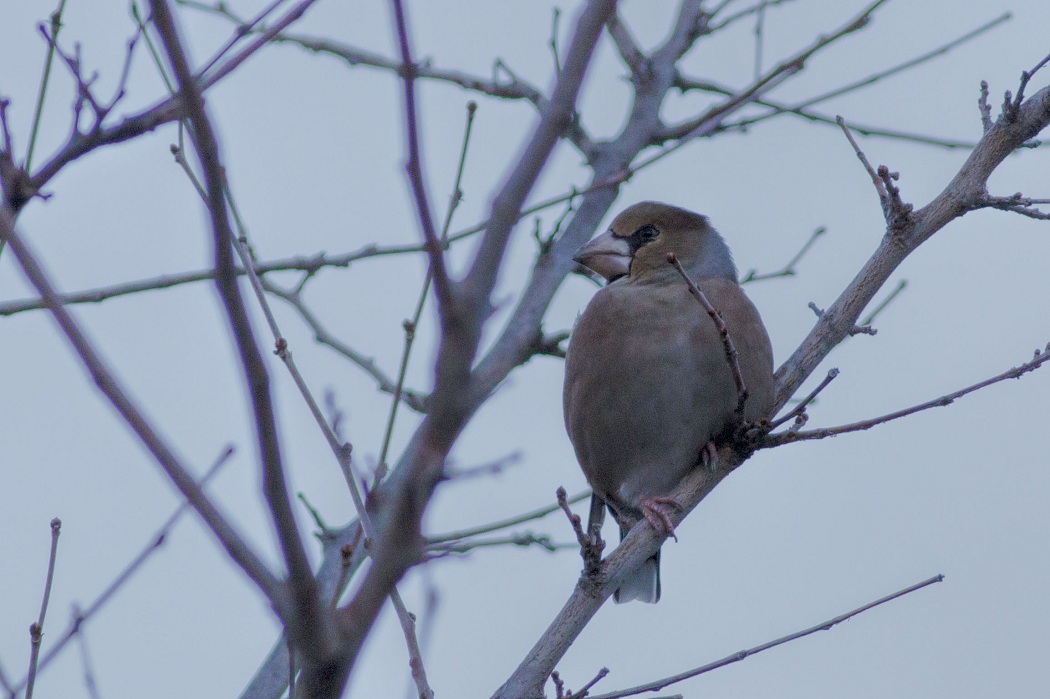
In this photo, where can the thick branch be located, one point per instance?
(965, 192)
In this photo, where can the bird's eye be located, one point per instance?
(647, 233)
(643, 236)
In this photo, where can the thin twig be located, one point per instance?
(411, 325)
(741, 655)
(760, 17)
(505, 523)
(590, 542)
(774, 77)
(494, 467)
(875, 179)
(585, 689)
(521, 540)
(1017, 203)
(413, 399)
(158, 62)
(243, 30)
(415, 656)
(239, 241)
(80, 617)
(901, 286)
(235, 545)
(1040, 358)
(553, 43)
(760, 6)
(778, 108)
(901, 67)
(6, 683)
(80, 143)
(89, 673)
(305, 620)
(723, 332)
(800, 409)
(38, 112)
(414, 166)
(36, 630)
(787, 270)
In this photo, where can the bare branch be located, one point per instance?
(775, 76)
(311, 630)
(968, 187)
(520, 540)
(410, 325)
(726, 21)
(788, 270)
(36, 630)
(1040, 358)
(590, 542)
(632, 56)
(778, 108)
(723, 332)
(414, 400)
(415, 656)
(800, 409)
(906, 65)
(586, 689)
(89, 672)
(80, 617)
(309, 264)
(107, 382)
(38, 112)
(168, 110)
(741, 655)
(505, 523)
(442, 284)
(1016, 203)
(875, 179)
(870, 318)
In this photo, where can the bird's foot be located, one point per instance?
(655, 513)
(709, 457)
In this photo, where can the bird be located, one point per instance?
(649, 390)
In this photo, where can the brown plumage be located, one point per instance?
(647, 382)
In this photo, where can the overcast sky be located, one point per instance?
(314, 153)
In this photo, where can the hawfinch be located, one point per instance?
(648, 386)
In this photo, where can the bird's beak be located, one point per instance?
(607, 255)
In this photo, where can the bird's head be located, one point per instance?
(640, 238)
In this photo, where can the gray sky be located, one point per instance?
(799, 534)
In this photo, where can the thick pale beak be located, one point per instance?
(607, 255)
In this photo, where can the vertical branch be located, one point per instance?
(36, 630)
(306, 623)
(56, 25)
(411, 325)
(414, 166)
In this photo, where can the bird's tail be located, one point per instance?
(643, 584)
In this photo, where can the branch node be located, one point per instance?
(986, 109)
(591, 545)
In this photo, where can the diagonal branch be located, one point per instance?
(1040, 358)
(966, 190)
(237, 548)
(165, 111)
(310, 629)
(743, 654)
(786, 68)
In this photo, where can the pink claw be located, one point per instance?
(658, 517)
(709, 457)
